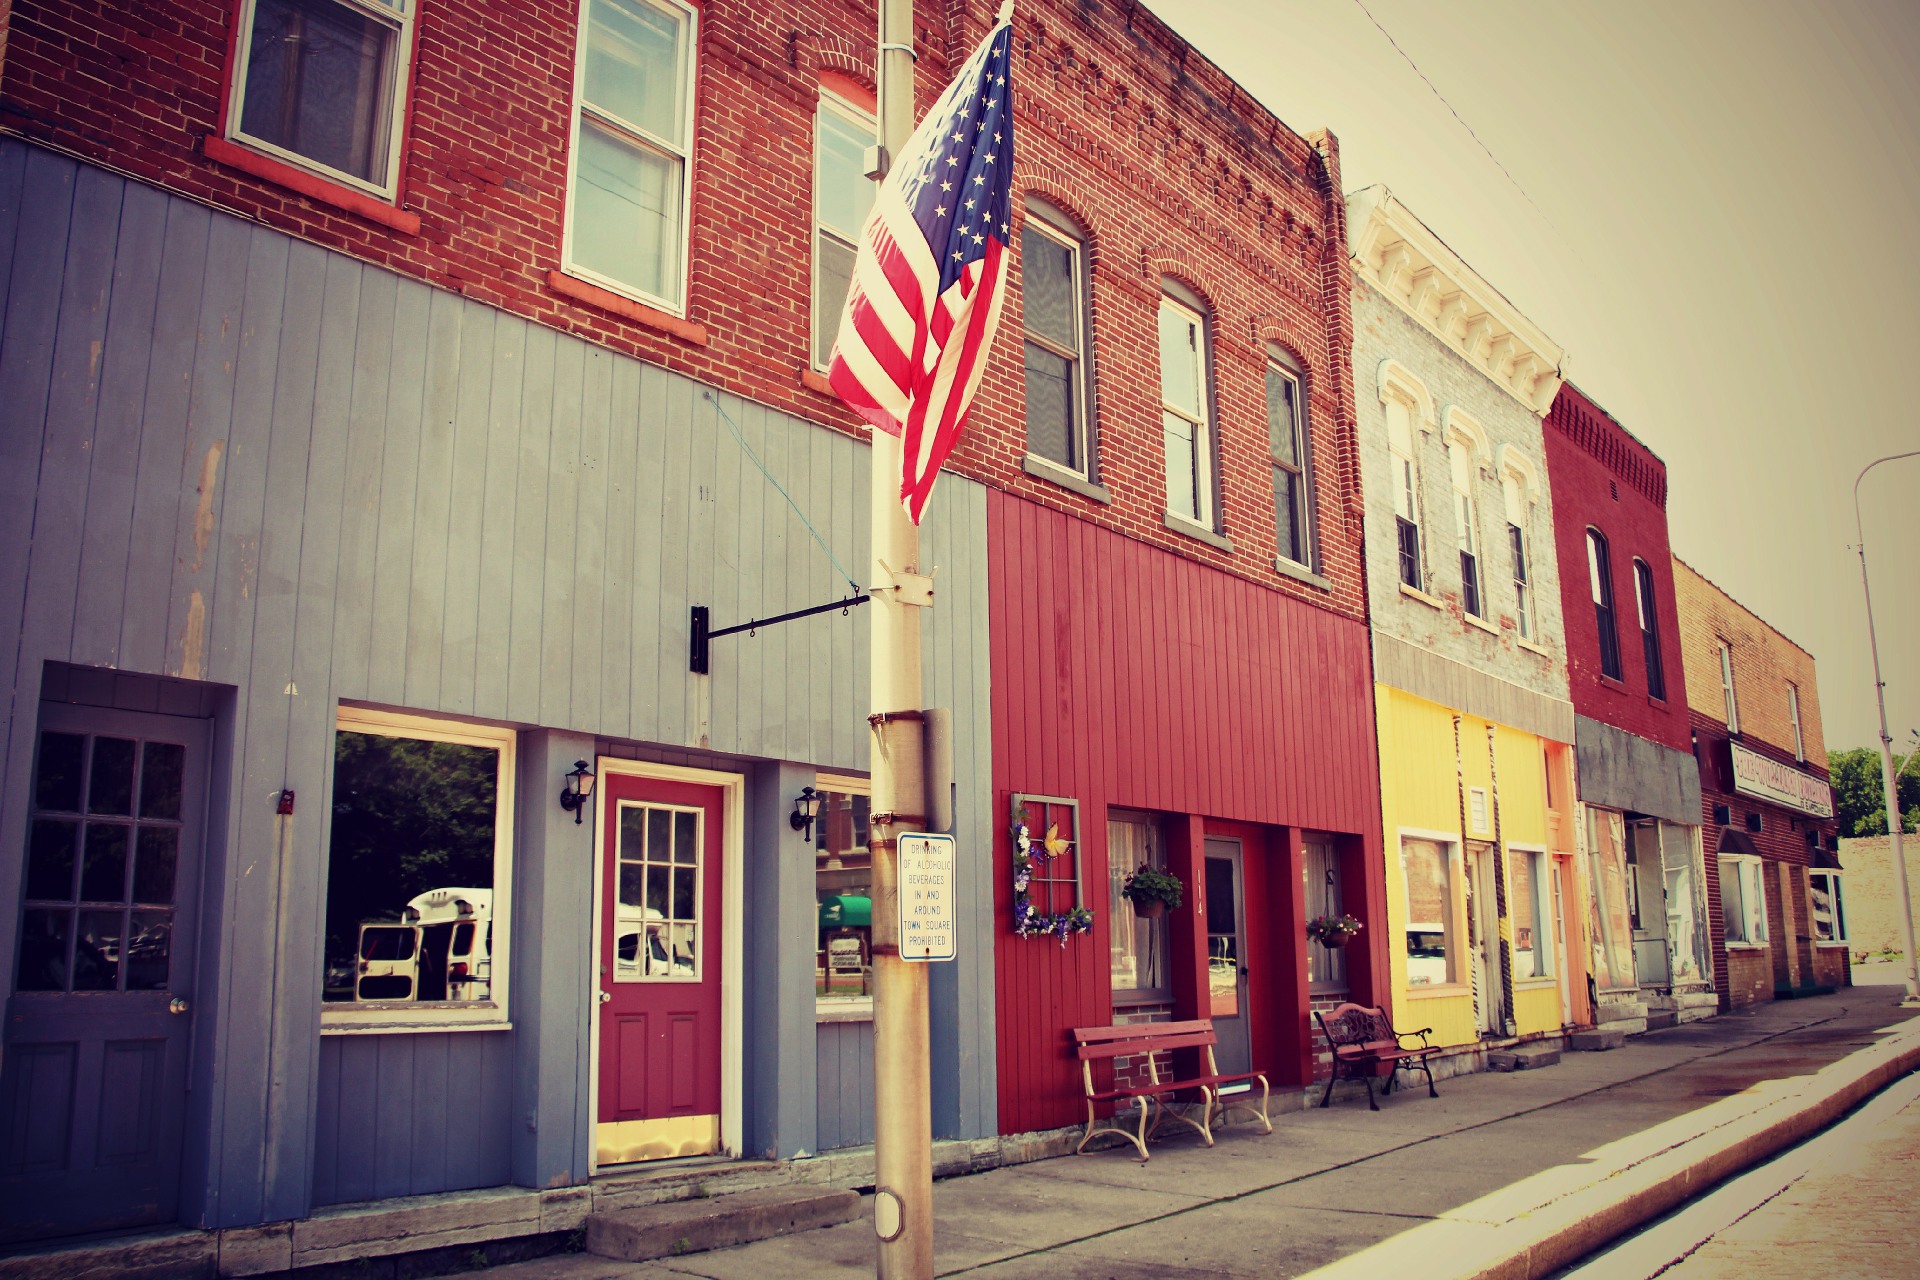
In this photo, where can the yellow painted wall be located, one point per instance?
(1421, 781)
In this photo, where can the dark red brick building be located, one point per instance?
(1639, 792)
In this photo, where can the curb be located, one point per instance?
(1551, 1220)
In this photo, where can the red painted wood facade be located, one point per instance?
(1127, 677)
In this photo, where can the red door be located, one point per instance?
(660, 971)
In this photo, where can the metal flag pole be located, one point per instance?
(902, 1103)
(1889, 784)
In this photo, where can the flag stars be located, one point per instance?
(958, 138)
(979, 178)
(946, 186)
(940, 211)
(951, 161)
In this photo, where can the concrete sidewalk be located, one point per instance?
(1505, 1174)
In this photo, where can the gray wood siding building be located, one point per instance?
(251, 480)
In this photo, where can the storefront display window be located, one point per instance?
(1431, 941)
(1326, 966)
(1612, 900)
(1530, 897)
(843, 891)
(1829, 906)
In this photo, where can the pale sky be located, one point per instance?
(1721, 223)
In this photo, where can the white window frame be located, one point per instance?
(1520, 547)
(1203, 514)
(1543, 869)
(1300, 469)
(1044, 221)
(634, 134)
(1399, 387)
(1466, 525)
(1749, 877)
(1478, 815)
(480, 1015)
(701, 923)
(1793, 710)
(1647, 612)
(842, 1008)
(831, 103)
(1726, 687)
(1836, 895)
(1453, 926)
(399, 15)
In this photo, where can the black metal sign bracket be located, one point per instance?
(703, 631)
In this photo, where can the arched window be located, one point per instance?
(1466, 522)
(1519, 541)
(1649, 629)
(1600, 581)
(1406, 489)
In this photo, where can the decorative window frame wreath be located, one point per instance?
(1028, 855)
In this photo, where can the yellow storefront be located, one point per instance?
(1482, 891)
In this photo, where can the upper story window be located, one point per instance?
(1183, 412)
(1053, 285)
(1287, 445)
(1600, 581)
(842, 197)
(1793, 711)
(1466, 522)
(1726, 687)
(1519, 523)
(322, 84)
(1649, 629)
(627, 186)
(1406, 490)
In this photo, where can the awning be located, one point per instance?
(846, 911)
(1826, 860)
(1733, 840)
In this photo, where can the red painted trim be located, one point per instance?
(608, 300)
(817, 382)
(845, 86)
(310, 185)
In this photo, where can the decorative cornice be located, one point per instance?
(1400, 256)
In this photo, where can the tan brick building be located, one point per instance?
(1775, 896)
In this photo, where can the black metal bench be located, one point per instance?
(1365, 1046)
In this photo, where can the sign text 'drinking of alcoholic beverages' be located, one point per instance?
(927, 897)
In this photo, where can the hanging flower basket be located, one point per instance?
(1151, 890)
(1333, 931)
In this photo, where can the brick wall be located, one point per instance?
(1212, 190)
(1134, 1072)
(1384, 331)
(1871, 895)
(1603, 478)
(1764, 663)
(1749, 979)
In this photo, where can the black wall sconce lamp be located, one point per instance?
(573, 798)
(806, 806)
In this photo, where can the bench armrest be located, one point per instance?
(1423, 1033)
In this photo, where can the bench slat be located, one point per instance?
(1130, 1048)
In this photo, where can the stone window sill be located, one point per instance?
(311, 185)
(1054, 473)
(1415, 593)
(1200, 533)
(1300, 573)
(1439, 990)
(1531, 647)
(626, 308)
(814, 380)
(1481, 623)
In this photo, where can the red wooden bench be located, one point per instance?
(1365, 1046)
(1155, 1099)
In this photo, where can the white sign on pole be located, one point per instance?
(927, 897)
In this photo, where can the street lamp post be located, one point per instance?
(1887, 780)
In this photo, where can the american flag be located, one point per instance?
(927, 285)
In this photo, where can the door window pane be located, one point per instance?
(43, 950)
(150, 943)
(103, 870)
(50, 859)
(96, 951)
(1137, 945)
(658, 939)
(110, 787)
(59, 770)
(1223, 939)
(160, 773)
(157, 853)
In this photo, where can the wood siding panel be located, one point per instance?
(342, 486)
(1127, 677)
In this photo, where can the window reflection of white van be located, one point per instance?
(660, 936)
(1426, 954)
(441, 948)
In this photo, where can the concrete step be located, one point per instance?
(1524, 1057)
(1597, 1040)
(1625, 1026)
(1659, 1019)
(694, 1226)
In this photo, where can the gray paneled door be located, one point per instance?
(1227, 956)
(93, 1092)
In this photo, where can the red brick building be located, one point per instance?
(1638, 789)
(1778, 899)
